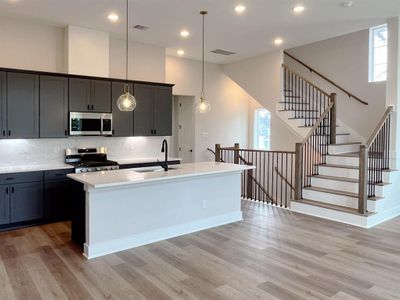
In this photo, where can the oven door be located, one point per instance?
(85, 123)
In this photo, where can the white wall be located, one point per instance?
(146, 62)
(344, 60)
(87, 51)
(31, 46)
(260, 77)
(228, 120)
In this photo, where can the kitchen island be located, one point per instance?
(129, 208)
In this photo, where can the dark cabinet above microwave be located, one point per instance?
(87, 95)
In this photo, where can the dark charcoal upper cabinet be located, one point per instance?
(162, 111)
(22, 105)
(26, 201)
(153, 113)
(100, 96)
(143, 114)
(53, 107)
(122, 120)
(4, 205)
(79, 94)
(87, 95)
(3, 111)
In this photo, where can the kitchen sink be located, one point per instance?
(154, 169)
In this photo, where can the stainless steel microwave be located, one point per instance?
(90, 123)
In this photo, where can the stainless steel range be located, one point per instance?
(89, 160)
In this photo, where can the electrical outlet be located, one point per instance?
(204, 204)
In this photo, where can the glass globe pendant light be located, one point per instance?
(203, 106)
(126, 102)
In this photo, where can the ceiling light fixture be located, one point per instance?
(298, 9)
(113, 17)
(126, 102)
(278, 41)
(347, 4)
(185, 33)
(240, 9)
(203, 106)
(180, 52)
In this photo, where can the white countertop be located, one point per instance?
(132, 176)
(33, 168)
(60, 166)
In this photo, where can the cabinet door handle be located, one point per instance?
(12, 190)
(9, 133)
(155, 131)
(6, 190)
(88, 107)
(4, 133)
(10, 178)
(92, 107)
(113, 131)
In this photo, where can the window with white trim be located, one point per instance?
(378, 44)
(262, 129)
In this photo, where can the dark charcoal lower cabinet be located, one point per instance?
(4, 205)
(57, 196)
(26, 201)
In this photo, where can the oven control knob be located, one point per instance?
(83, 171)
(98, 169)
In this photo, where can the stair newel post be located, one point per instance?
(298, 184)
(363, 181)
(236, 153)
(333, 116)
(217, 152)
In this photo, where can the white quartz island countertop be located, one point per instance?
(116, 178)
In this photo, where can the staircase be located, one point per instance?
(339, 176)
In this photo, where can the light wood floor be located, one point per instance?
(273, 254)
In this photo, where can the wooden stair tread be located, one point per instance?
(347, 154)
(350, 167)
(337, 178)
(331, 206)
(345, 179)
(346, 144)
(330, 191)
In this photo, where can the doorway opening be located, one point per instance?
(183, 128)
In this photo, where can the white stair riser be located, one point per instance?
(345, 186)
(344, 139)
(338, 172)
(357, 220)
(331, 198)
(336, 149)
(342, 160)
(347, 173)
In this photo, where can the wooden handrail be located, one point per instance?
(305, 80)
(256, 150)
(326, 79)
(321, 118)
(284, 178)
(375, 133)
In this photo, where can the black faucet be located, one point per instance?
(164, 149)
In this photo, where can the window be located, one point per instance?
(262, 130)
(378, 53)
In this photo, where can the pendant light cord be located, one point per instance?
(203, 57)
(127, 40)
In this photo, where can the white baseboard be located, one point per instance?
(101, 249)
(383, 216)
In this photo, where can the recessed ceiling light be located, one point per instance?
(298, 9)
(278, 41)
(113, 17)
(185, 33)
(347, 4)
(180, 52)
(240, 9)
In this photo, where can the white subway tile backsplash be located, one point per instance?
(40, 151)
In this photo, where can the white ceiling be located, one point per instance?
(248, 35)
